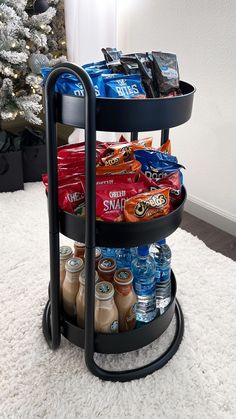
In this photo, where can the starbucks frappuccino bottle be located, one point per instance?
(70, 286)
(106, 269)
(98, 256)
(125, 299)
(80, 298)
(65, 254)
(79, 250)
(106, 313)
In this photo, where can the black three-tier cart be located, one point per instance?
(114, 115)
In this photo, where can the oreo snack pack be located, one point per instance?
(124, 86)
(166, 73)
(156, 164)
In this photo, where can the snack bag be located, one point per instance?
(129, 167)
(112, 197)
(166, 147)
(156, 164)
(166, 72)
(111, 179)
(123, 86)
(71, 196)
(146, 206)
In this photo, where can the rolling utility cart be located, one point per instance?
(115, 115)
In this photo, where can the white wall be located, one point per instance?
(202, 33)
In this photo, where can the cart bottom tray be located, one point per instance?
(126, 341)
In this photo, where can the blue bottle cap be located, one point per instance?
(161, 242)
(143, 251)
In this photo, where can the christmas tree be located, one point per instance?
(27, 43)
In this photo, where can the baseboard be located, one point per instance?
(211, 214)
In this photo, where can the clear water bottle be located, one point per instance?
(108, 252)
(123, 258)
(162, 257)
(143, 268)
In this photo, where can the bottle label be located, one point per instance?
(145, 289)
(114, 326)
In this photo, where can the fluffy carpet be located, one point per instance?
(199, 382)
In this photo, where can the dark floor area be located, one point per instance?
(213, 237)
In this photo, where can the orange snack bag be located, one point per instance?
(148, 205)
(166, 147)
(133, 166)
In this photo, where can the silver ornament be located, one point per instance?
(37, 61)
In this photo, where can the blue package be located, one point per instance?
(68, 83)
(156, 164)
(123, 86)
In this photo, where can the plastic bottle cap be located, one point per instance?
(143, 251)
(123, 276)
(82, 277)
(74, 265)
(65, 252)
(107, 265)
(104, 290)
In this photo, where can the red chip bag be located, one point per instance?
(71, 196)
(111, 179)
(112, 197)
(146, 206)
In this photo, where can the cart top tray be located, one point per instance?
(127, 115)
(118, 235)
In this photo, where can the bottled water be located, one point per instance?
(124, 257)
(108, 252)
(143, 268)
(162, 257)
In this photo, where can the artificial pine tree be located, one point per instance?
(24, 50)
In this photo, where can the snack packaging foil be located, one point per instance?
(156, 164)
(129, 167)
(146, 206)
(112, 197)
(124, 86)
(166, 72)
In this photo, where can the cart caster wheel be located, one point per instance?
(46, 324)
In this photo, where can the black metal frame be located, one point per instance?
(51, 318)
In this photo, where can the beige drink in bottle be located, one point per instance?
(106, 269)
(70, 286)
(125, 299)
(106, 313)
(80, 298)
(79, 250)
(65, 254)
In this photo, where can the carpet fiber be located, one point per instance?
(199, 382)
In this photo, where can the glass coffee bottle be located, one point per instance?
(125, 299)
(106, 313)
(80, 298)
(71, 285)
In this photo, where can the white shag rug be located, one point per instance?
(199, 382)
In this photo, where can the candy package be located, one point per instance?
(166, 73)
(123, 86)
(111, 198)
(146, 206)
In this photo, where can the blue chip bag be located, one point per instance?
(156, 164)
(123, 86)
(68, 84)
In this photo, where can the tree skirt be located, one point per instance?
(199, 381)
